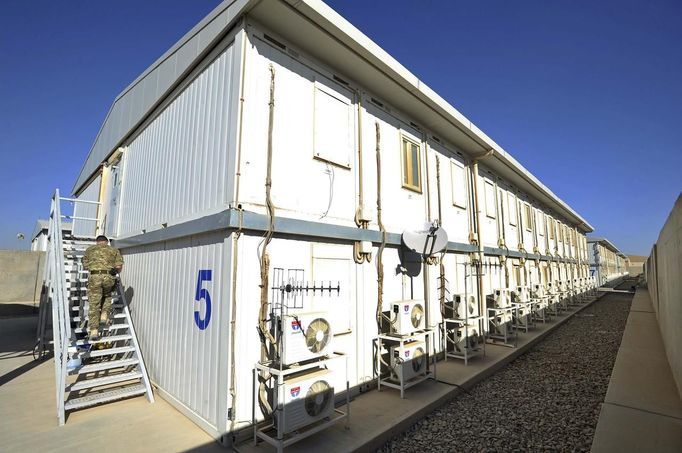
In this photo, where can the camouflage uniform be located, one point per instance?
(97, 259)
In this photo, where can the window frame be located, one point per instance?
(528, 216)
(490, 184)
(455, 165)
(404, 139)
(511, 201)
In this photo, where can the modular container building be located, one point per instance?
(607, 263)
(197, 169)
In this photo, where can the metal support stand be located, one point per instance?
(467, 351)
(523, 316)
(273, 432)
(394, 380)
(502, 331)
(540, 309)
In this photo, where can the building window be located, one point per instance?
(489, 199)
(527, 216)
(459, 185)
(411, 157)
(333, 125)
(552, 222)
(511, 201)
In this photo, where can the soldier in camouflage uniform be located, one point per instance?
(103, 262)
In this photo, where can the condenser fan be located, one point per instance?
(317, 335)
(473, 340)
(318, 397)
(418, 360)
(472, 305)
(416, 315)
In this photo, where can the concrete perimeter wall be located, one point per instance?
(663, 275)
(21, 276)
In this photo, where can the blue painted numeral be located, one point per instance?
(205, 275)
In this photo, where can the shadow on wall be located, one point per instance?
(662, 272)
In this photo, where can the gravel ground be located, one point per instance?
(546, 400)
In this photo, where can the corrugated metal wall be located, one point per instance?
(177, 166)
(162, 284)
(135, 102)
(87, 210)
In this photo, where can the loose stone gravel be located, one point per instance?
(546, 400)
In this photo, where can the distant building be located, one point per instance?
(607, 263)
(636, 264)
(39, 236)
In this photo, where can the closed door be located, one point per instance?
(111, 220)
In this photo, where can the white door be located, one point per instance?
(114, 196)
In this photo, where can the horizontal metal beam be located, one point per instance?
(249, 222)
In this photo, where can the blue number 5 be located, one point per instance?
(205, 275)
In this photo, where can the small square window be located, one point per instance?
(411, 160)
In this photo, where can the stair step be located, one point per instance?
(105, 380)
(104, 329)
(109, 351)
(107, 339)
(104, 397)
(116, 316)
(107, 365)
(84, 299)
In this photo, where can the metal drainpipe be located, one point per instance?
(477, 201)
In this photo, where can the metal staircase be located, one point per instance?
(86, 373)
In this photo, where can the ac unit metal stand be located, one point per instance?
(393, 380)
(273, 432)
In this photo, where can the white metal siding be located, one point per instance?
(87, 210)
(161, 284)
(177, 167)
(308, 105)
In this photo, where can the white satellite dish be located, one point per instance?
(426, 241)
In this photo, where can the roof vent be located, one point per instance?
(340, 80)
(274, 41)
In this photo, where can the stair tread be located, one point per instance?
(104, 397)
(107, 328)
(104, 380)
(108, 338)
(116, 316)
(107, 365)
(109, 351)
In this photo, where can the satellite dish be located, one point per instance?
(426, 241)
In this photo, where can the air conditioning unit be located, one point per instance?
(409, 360)
(550, 289)
(537, 291)
(472, 341)
(461, 307)
(501, 298)
(407, 316)
(308, 397)
(305, 336)
(521, 295)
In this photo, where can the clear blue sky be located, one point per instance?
(587, 95)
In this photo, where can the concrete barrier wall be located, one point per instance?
(664, 275)
(21, 276)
